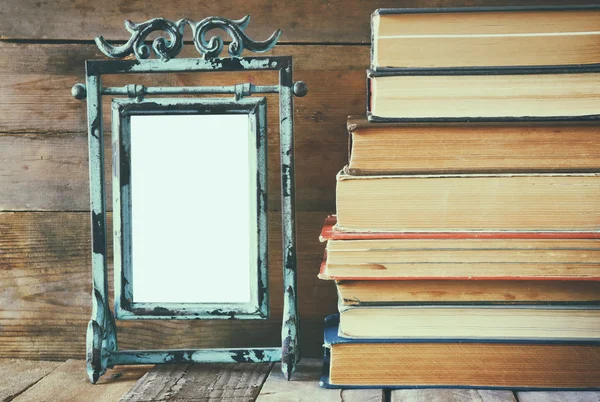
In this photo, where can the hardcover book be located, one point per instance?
(383, 292)
(484, 95)
(542, 364)
(475, 202)
(442, 148)
(462, 259)
(485, 37)
(523, 322)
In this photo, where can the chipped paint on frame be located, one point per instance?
(101, 333)
(125, 306)
(102, 351)
(166, 49)
(242, 355)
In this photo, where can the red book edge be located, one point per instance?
(322, 274)
(331, 231)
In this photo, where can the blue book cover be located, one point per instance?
(332, 337)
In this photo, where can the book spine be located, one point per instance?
(350, 140)
(445, 10)
(374, 15)
(369, 90)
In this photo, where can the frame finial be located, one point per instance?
(168, 48)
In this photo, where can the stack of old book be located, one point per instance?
(466, 246)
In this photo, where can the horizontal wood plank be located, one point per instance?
(301, 21)
(69, 383)
(200, 382)
(559, 396)
(16, 376)
(43, 143)
(45, 297)
(50, 173)
(451, 395)
(304, 387)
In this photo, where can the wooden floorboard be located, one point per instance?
(16, 376)
(566, 396)
(157, 384)
(41, 381)
(69, 383)
(451, 395)
(200, 383)
(304, 387)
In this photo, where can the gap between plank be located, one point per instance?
(11, 397)
(149, 42)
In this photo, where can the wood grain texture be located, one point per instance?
(45, 293)
(202, 382)
(44, 149)
(304, 387)
(570, 396)
(69, 383)
(451, 395)
(301, 21)
(158, 383)
(16, 376)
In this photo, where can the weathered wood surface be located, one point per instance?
(451, 395)
(44, 149)
(301, 21)
(39, 381)
(45, 297)
(69, 383)
(304, 387)
(200, 382)
(16, 376)
(556, 396)
(160, 383)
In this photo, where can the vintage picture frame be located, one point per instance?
(102, 349)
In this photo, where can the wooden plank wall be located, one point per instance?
(45, 265)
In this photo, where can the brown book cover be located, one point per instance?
(442, 148)
(490, 363)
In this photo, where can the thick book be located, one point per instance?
(462, 259)
(485, 37)
(394, 363)
(466, 292)
(484, 95)
(546, 267)
(516, 322)
(510, 147)
(474, 202)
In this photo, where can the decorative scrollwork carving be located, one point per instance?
(165, 49)
(168, 48)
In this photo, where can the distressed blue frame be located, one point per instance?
(125, 305)
(102, 350)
